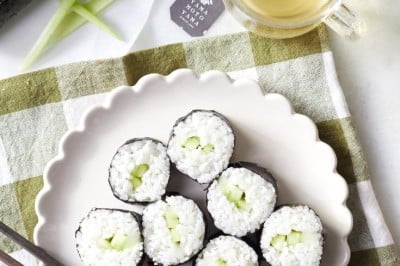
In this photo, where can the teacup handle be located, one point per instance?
(345, 22)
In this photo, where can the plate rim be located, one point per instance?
(108, 103)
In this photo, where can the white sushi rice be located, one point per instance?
(158, 243)
(260, 195)
(154, 180)
(103, 224)
(211, 129)
(282, 222)
(231, 250)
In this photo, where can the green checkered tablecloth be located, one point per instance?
(37, 108)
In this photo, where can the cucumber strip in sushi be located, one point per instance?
(109, 237)
(201, 145)
(225, 251)
(241, 198)
(139, 171)
(173, 230)
(292, 235)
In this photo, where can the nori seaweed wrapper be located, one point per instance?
(109, 169)
(183, 118)
(150, 261)
(135, 215)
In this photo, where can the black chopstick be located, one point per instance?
(36, 251)
(8, 260)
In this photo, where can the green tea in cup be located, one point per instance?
(276, 9)
(290, 18)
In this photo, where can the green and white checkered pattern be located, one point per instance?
(37, 108)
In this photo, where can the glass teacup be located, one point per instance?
(290, 18)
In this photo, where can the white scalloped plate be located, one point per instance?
(268, 133)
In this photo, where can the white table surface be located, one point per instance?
(369, 72)
(86, 43)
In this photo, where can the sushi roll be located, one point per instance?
(139, 171)
(292, 235)
(109, 237)
(241, 198)
(201, 145)
(173, 230)
(225, 251)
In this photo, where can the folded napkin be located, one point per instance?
(37, 108)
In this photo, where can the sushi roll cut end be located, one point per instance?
(139, 171)
(292, 236)
(201, 145)
(109, 237)
(173, 230)
(240, 200)
(225, 251)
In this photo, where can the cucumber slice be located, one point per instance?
(171, 218)
(243, 205)
(278, 241)
(293, 238)
(47, 34)
(140, 170)
(208, 148)
(104, 243)
(136, 182)
(73, 21)
(119, 242)
(176, 237)
(137, 174)
(220, 262)
(233, 193)
(237, 196)
(90, 16)
(192, 143)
